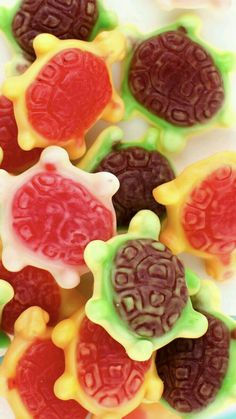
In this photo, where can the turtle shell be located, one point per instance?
(36, 373)
(68, 95)
(15, 159)
(32, 287)
(193, 369)
(176, 79)
(71, 19)
(139, 172)
(57, 217)
(105, 372)
(208, 217)
(149, 287)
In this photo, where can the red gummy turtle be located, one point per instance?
(36, 374)
(15, 159)
(98, 373)
(72, 19)
(37, 365)
(104, 370)
(66, 90)
(201, 208)
(51, 213)
(209, 216)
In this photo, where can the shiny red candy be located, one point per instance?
(209, 216)
(37, 372)
(68, 95)
(15, 159)
(57, 217)
(104, 370)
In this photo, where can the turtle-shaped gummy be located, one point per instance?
(149, 287)
(176, 79)
(209, 216)
(73, 19)
(14, 158)
(139, 171)
(104, 370)
(32, 287)
(63, 102)
(193, 369)
(36, 373)
(57, 217)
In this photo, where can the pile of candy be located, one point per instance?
(97, 322)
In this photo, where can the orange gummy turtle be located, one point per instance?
(66, 90)
(201, 208)
(99, 374)
(29, 371)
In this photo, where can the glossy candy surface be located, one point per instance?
(65, 19)
(61, 95)
(104, 370)
(141, 291)
(66, 90)
(201, 212)
(137, 170)
(15, 159)
(178, 82)
(193, 369)
(98, 372)
(51, 212)
(149, 286)
(32, 287)
(208, 217)
(137, 164)
(74, 216)
(176, 79)
(35, 377)
(30, 369)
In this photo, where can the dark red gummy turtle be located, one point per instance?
(139, 172)
(15, 160)
(32, 287)
(66, 19)
(104, 370)
(176, 79)
(57, 217)
(149, 287)
(209, 216)
(193, 370)
(36, 373)
(68, 95)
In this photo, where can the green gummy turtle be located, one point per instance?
(178, 82)
(199, 375)
(74, 19)
(138, 165)
(141, 292)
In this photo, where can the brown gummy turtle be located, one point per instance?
(193, 369)
(149, 287)
(176, 79)
(139, 172)
(66, 19)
